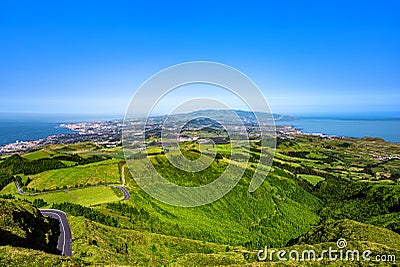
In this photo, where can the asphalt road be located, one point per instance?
(18, 188)
(126, 193)
(65, 238)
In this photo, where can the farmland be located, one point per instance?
(104, 172)
(314, 186)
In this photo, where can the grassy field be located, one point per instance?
(99, 244)
(85, 196)
(104, 172)
(312, 179)
(114, 152)
(78, 148)
(44, 153)
(269, 215)
(317, 191)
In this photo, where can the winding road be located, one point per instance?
(65, 238)
(126, 193)
(122, 186)
(19, 188)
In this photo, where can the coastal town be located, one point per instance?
(109, 134)
(106, 133)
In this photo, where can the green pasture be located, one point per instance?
(103, 172)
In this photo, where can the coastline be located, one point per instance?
(384, 128)
(106, 133)
(109, 132)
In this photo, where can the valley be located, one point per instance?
(317, 191)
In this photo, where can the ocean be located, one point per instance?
(24, 127)
(11, 132)
(385, 128)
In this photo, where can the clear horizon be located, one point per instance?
(58, 117)
(34, 126)
(309, 58)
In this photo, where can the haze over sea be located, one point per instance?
(24, 127)
(385, 126)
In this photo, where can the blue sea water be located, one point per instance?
(386, 128)
(11, 132)
(26, 127)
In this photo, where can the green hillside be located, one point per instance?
(267, 216)
(17, 256)
(351, 231)
(318, 190)
(375, 203)
(22, 225)
(104, 172)
(87, 196)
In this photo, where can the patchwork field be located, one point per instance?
(312, 179)
(104, 172)
(316, 191)
(86, 196)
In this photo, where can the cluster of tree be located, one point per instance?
(395, 176)
(220, 140)
(8, 196)
(368, 169)
(297, 154)
(33, 231)
(5, 179)
(88, 213)
(38, 203)
(329, 158)
(256, 148)
(129, 211)
(81, 161)
(156, 153)
(254, 157)
(21, 183)
(360, 201)
(301, 182)
(284, 142)
(181, 177)
(303, 170)
(16, 164)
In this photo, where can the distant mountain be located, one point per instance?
(226, 115)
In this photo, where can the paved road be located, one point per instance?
(19, 188)
(126, 193)
(65, 238)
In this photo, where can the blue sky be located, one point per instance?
(306, 56)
